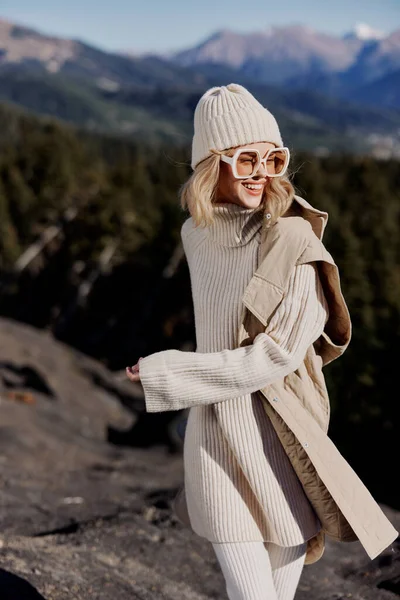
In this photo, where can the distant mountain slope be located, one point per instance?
(375, 60)
(301, 57)
(274, 55)
(21, 47)
(384, 92)
(83, 105)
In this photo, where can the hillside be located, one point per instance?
(86, 520)
(84, 105)
(384, 92)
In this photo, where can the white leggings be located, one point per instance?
(260, 570)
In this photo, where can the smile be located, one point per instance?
(254, 187)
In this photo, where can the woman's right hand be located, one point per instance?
(133, 372)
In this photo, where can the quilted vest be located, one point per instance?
(292, 241)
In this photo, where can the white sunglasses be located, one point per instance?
(246, 162)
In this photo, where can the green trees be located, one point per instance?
(46, 168)
(9, 244)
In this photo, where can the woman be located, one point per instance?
(262, 479)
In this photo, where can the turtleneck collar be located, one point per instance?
(234, 225)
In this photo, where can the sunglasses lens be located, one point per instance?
(277, 162)
(247, 163)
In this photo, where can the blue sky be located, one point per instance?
(164, 25)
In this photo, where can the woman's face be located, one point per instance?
(245, 192)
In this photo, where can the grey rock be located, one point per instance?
(82, 519)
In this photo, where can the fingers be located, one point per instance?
(132, 375)
(133, 372)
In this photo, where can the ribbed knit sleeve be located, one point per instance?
(174, 380)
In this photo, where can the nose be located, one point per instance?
(262, 170)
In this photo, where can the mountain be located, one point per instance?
(384, 92)
(275, 55)
(376, 59)
(365, 32)
(302, 58)
(26, 49)
(153, 99)
(84, 105)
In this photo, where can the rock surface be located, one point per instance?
(82, 519)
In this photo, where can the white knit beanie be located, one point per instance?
(229, 116)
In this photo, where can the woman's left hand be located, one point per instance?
(133, 372)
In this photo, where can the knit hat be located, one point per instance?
(229, 116)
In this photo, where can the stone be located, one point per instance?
(82, 518)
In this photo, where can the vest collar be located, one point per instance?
(317, 218)
(295, 219)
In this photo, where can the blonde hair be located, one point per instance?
(198, 193)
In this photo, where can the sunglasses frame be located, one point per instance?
(231, 160)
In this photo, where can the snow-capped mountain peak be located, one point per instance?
(365, 32)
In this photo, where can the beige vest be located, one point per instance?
(298, 405)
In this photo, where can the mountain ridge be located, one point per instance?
(297, 55)
(153, 98)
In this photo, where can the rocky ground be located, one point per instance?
(84, 519)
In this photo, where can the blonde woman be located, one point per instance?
(263, 482)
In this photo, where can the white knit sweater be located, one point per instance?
(246, 490)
